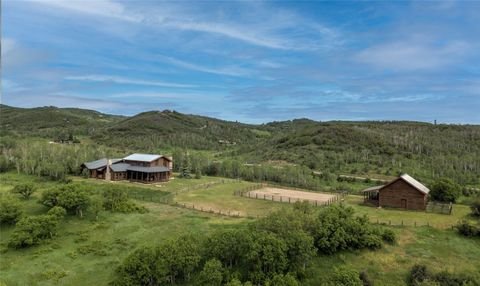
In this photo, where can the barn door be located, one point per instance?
(404, 203)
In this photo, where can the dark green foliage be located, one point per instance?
(10, 210)
(338, 229)
(168, 263)
(388, 236)
(72, 198)
(366, 280)
(476, 207)
(212, 273)
(417, 275)
(344, 276)
(420, 275)
(444, 190)
(467, 229)
(282, 280)
(116, 200)
(33, 230)
(25, 190)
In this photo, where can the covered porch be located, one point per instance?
(370, 195)
(147, 177)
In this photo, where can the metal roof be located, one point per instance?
(416, 184)
(142, 157)
(101, 163)
(372, 189)
(120, 167)
(156, 169)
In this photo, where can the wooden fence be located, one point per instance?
(412, 223)
(441, 208)
(246, 192)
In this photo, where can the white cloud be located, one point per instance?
(411, 55)
(103, 8)
(231, 71)
(124, 80)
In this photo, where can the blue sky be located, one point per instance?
(251, 61)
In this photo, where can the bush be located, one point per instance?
(25, 190)
(33, 230)
(72, 198)
(10, 210)
(365, 279)
(445, 190)
(389, 236)
(476, 208)
(418, 274)
(116, 200)
(343, 276)
(467, 229)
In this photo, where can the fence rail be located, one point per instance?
(412, 223)
(441, 208)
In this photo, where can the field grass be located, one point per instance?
(221, 197)
(438, 249)
(86, 252)
(409, 218)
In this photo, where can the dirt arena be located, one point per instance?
(287, 195)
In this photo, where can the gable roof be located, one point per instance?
(101, 163)
(372, 189)
(412, 182)
(142, 157)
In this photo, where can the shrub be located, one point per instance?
(476, 208)
(212, 273)
(116, 200)
(344, 276)
(10, 210)
(467, 229)
(25, 190)
(445, 190)
(389, 236)
(366, 280)
(418, 274)
(33, 230)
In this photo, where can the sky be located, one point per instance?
(247, 61)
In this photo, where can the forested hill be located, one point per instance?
(386, 148)
(46, 121)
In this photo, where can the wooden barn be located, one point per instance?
(145, 168)
(404, 192)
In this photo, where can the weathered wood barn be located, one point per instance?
(404, 192)
(145, 168)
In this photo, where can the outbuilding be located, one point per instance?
(404, 192)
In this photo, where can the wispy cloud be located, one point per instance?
(229, 70)
(123, 80)
(412, 55)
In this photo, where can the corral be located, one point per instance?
(291, 196)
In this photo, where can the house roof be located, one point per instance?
(120, 167)
(156, 169)
(414, 183)
(101, 163)
(142, 157)
(372, 189)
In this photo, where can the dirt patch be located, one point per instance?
(287, 195)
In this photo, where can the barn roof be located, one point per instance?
(414, 183)
(142, 157)
(120, 167)
(372, 189)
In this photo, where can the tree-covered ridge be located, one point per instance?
(424, 150)
(49, 120)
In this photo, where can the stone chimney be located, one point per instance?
(170, 164)
(107, 171)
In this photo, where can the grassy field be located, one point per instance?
(86, 252)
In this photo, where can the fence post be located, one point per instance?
(402, 222)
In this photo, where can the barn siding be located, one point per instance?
(392, 195)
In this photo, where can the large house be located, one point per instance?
(145, 168)
(404, 192)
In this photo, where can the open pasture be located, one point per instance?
(290, 196)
